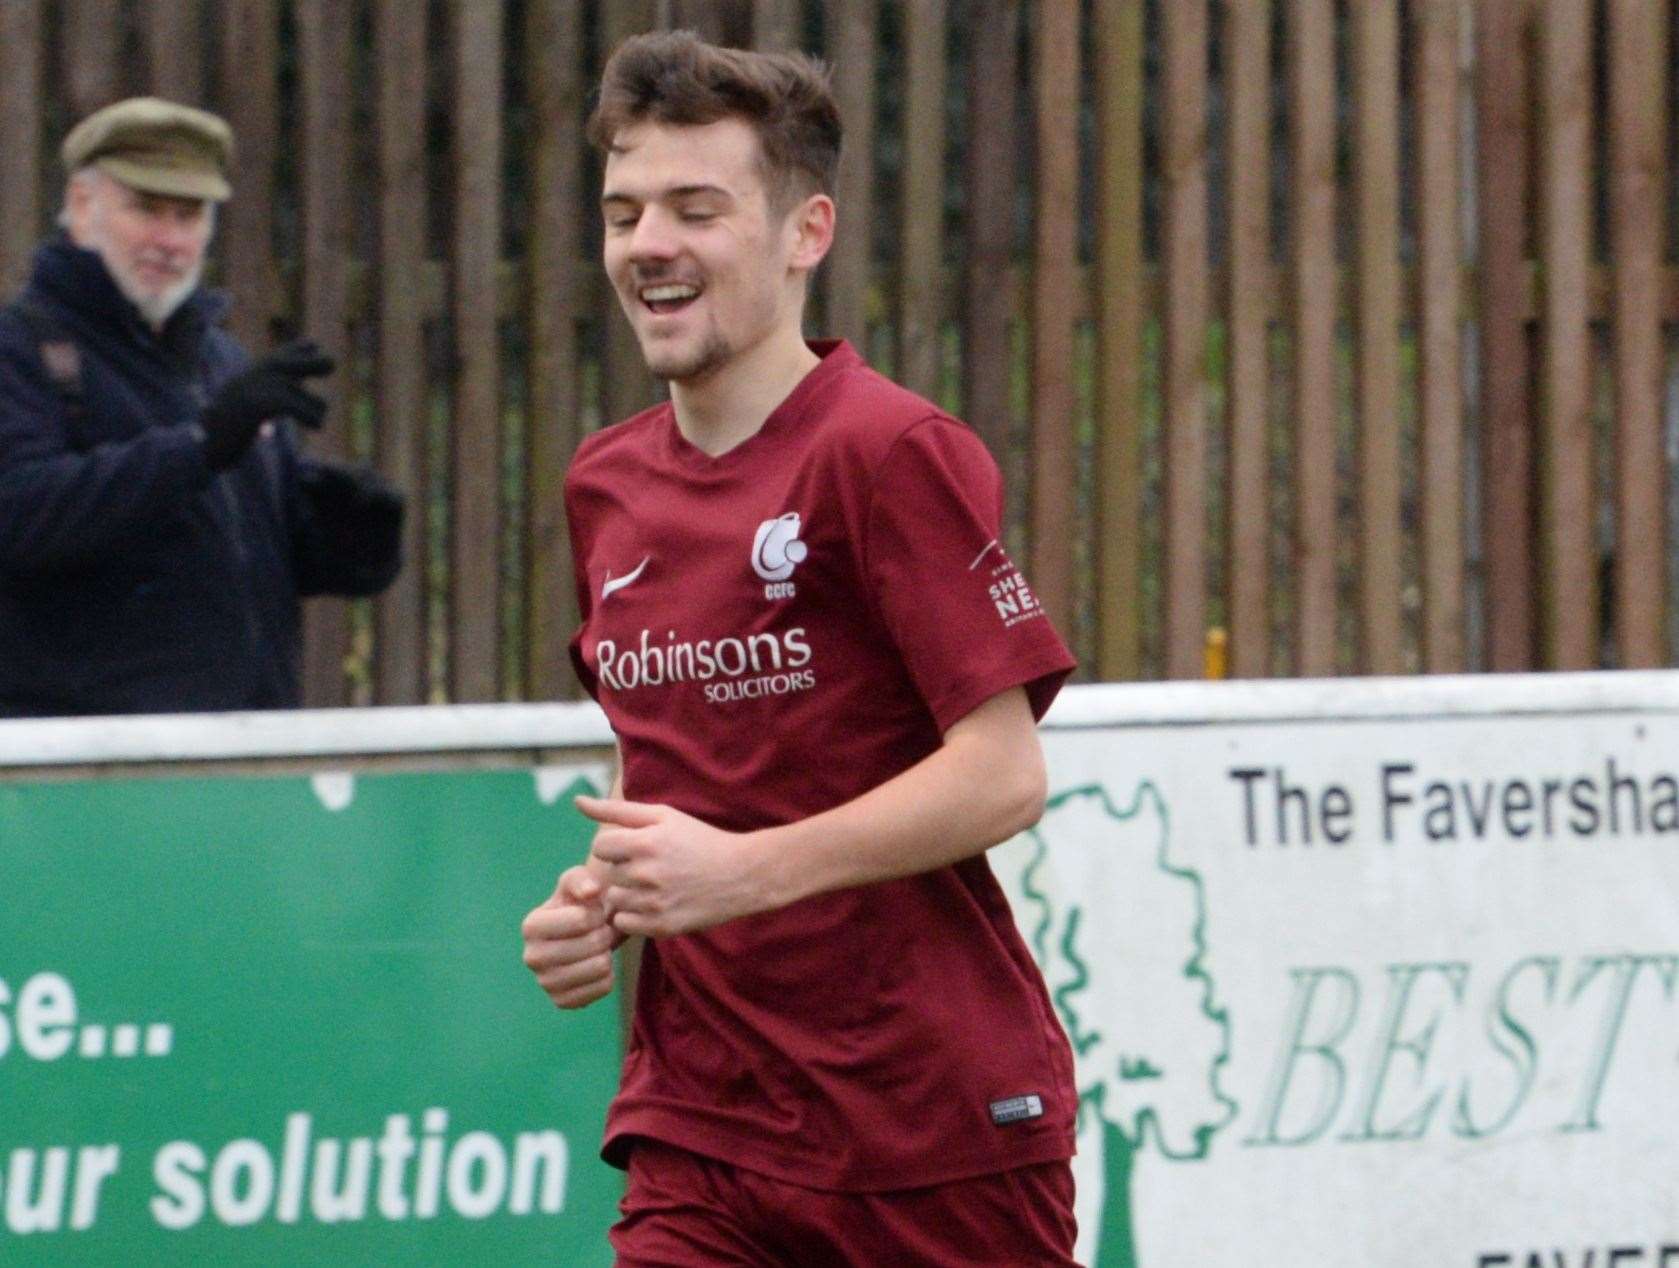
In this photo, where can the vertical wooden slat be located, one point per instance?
(1569, 504)
(91, 34)
(324, 34)
(1440, 385)
(1248, 92)
(323, 53)
(851, 43)
(400, 615)
(1184, 247)
(474, 557)
(173, 50)
(1119, 337)
(923, 193)
(775, 25)
(620, 19)
(249, 57)
(725, 22)
(554, 47)
(1375, 77)
(21, 46)
(990, 174)
(1507, 452)
(1312, 129)
(1638, 51)
(628, 385)
(1055, 79)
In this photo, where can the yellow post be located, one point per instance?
(1215, 655)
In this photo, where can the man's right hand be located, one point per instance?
(569, 941)
(272, 388)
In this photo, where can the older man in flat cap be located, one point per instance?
(158, 520)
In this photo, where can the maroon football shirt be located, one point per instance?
(773, 632)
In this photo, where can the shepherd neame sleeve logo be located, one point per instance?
(1007, 589)
(751, 667)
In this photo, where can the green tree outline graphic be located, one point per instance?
(1121, 1139)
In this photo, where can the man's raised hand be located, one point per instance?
(270, 388)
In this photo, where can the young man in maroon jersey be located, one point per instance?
(824, 674)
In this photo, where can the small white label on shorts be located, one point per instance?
(1016, 1109)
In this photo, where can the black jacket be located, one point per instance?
(132, 579)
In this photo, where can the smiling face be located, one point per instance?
(153, 245)
(707, 268)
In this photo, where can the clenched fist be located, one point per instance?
(569, 941)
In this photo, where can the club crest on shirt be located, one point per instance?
(776, 551)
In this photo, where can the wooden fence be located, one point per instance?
(1348, 329)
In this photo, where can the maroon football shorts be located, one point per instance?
(682, 1210)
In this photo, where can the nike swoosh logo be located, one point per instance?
(618, 583)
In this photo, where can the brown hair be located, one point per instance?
(674, 77)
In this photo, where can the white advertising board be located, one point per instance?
(1369, 973)
(1379, 973)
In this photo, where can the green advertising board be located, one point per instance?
(275, 1020)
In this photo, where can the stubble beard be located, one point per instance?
(673, 367)
(715, 352)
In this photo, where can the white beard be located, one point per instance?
(155, 307)
(158, 307)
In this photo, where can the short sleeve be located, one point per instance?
(580, 583)
(962, 615)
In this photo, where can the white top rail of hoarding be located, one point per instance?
(490, 728)
(1363, 699)
(391, 731)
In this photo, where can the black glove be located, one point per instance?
(351, 495)
(354, 520)
(272, 388)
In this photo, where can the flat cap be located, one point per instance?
(156, 146)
